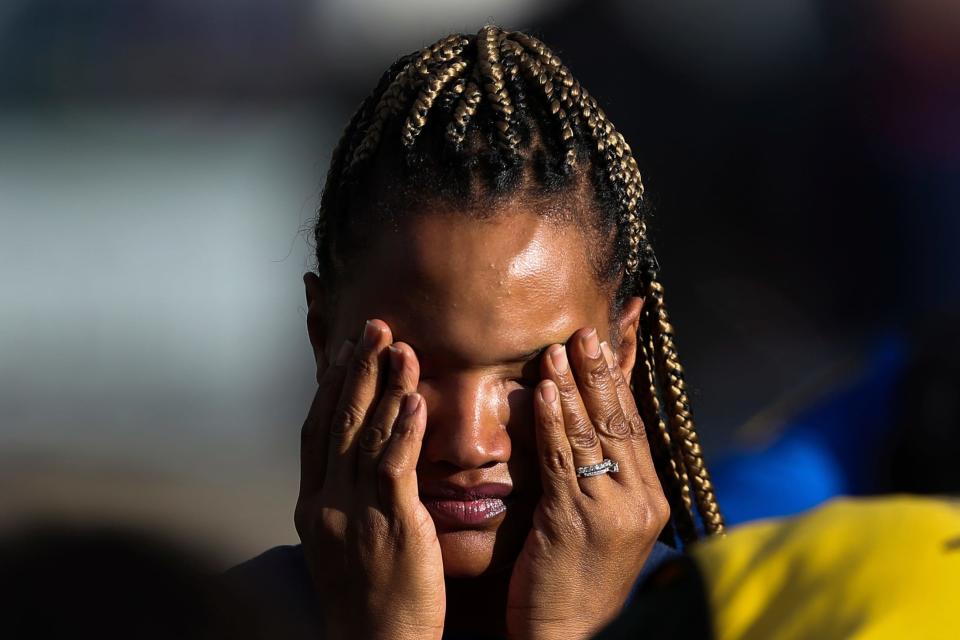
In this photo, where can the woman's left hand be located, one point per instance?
(590, 536)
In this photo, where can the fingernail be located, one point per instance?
(559, 357)
(411, 402)
(590, 344)
(396, 358)
(608, 354)
(370, 334)
(343, 356)
(549, 392)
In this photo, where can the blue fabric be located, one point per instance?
(822, 452)
(281, 575)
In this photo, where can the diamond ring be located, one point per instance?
(598, 469)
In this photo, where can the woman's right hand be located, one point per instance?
(370, 544)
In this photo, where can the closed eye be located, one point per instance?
(529, 373)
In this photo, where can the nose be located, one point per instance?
(465, 422)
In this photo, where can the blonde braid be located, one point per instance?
(491, 71)
(534, 71)
(677, 462)
(393, 99)
(434, 84)
(568, 89)
(673, 475)
(342, 153)
(464, 110)
(622, 171)
(678, 411)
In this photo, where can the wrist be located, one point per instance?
(400, 631)
(573, 629)
(385, 630)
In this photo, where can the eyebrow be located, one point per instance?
(529, 355)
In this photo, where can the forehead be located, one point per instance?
(478, 290)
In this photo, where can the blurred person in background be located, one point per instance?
(501, 443)
(63, 580)
(881, 567)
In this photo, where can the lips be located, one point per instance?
(458, 507)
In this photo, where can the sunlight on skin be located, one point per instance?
(471, 297)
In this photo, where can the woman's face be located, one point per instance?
(478, 300)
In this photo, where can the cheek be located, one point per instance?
(523, 465)
(519, 418)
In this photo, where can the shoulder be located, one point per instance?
(284, 568)
(659, 556)
(284, 564)
(276, 584)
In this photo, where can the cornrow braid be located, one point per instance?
(492, 72)
(465, 108)
(484, 106)
(621, 166)
(421, 106)
(394, 98)
(535, 74)
(331, 199)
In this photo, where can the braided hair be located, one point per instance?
(477, 116)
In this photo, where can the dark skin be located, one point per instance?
(459, 377)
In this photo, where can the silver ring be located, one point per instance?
(598, 469)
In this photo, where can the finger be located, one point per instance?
(598, 390)
(638, 433)
(314, 435)
(397, 468)
(557, 474)
(402, 378)
(580, 432)
(360, 387)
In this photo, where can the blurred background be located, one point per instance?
(159, 162)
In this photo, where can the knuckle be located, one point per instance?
(371, 439)
(347, 419)
(568, 390)
(390, 470)
(598, 377)
(403, 428)
(331, 523)
(558, 461)
(662, 512)
(655, 512)
(371, 521)
(394, 390)
(583, 435)
(550, 420)
(364, 367)
(619, 382)
(615, 425)
(636, 426)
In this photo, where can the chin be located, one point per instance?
(472, 553)
(468, 553)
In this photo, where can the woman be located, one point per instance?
(491, 341)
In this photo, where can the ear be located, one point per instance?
(628, 324)
(316, 327)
